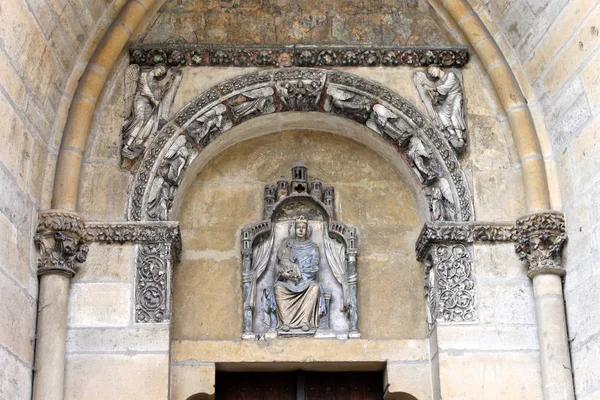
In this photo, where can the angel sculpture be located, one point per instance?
(347, 102)
(162, 192)
(384, 121)
(441, 202)
(442, 97)
(256, 101)
(214, 121)
(148, 99)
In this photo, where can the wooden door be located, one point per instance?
(299, 385)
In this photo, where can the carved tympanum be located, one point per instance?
(299, 265)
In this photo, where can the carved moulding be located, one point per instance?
(272, 260)
(298, 55)
(395, 120)
(540, 239)
(449, 281)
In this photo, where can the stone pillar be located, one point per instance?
(540, 238)
(60, 247)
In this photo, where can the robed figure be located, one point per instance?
(297, 295)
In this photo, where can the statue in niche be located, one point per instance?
(297, 296)
(442, 94)
(149, 96)
(299, 264)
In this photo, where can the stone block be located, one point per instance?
(586, 157)
(591, 80)
(587, 319)
(498, 193)
(17, 331)
(100, 304)
(15, 377)
(296, 351)
(579, 231)
(95, 201)
(505, 301)
(11, 81)
(38, 170)
(516, 22)
(580, 46)
(107, 262)
(207, 300)
(25, 154)
(131, 377)
(15, 260)
(585, 368)
(498, 260)
(15, 205)
(413, 379)
(154, 338)
(458, 338)
(187, 380)
(509, 375)
(11, 136)
(488, 145)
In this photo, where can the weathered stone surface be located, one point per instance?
(187, 380)
(100, 304)
(505, 301)
(137, 376)
(498, 260)
(498, 193)
(410, 378)
(106, 262)
(509, 375)
(17, 330)
(118, 340)
(97, 203)
(586, 156)
(487, 338)
(15, 377)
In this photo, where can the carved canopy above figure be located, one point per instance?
(299, 264)
(426, 146)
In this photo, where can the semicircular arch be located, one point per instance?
(203, 126)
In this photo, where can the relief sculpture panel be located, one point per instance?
(299, 265)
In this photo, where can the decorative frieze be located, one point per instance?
(465, 233)
(153, 282)
(539, 241)
(231, 55)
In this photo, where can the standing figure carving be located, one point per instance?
(441, 202)
(297, 295)
(148, 99)
(442, 95)
(385, 122)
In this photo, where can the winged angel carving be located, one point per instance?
(148, 99)
(442, 94)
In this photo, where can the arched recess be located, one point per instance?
(203, 127)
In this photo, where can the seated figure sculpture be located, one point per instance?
(298, 296)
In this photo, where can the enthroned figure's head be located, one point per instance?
(301, 229)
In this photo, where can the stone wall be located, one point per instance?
(384, 22)
(42, 51)
(554, 48)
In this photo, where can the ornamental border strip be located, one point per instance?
(465, 233)
(297, 55)
(222, 95)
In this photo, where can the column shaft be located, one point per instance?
(48, 380)
(552, 333)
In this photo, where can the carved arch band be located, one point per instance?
(165, 162)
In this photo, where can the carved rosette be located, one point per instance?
(424, 147)
(540, 239)
(59, 242)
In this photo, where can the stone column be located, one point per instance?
(60, 246)
(540, 238)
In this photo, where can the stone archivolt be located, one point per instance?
(421, 144)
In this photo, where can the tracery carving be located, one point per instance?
(290, 275)
(442, 94)
(149, 95)
(540, 239)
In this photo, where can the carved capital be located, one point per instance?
(59, 241)
(539, 242)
